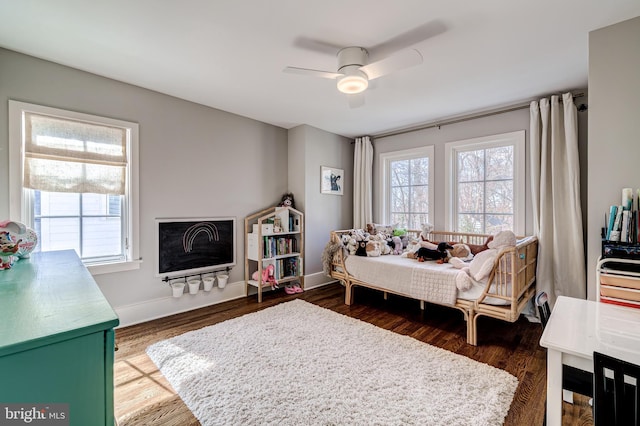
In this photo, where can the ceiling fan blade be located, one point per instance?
(400, 60)
(316, 45)
(313, 73)
(356, 100)
(407, 39)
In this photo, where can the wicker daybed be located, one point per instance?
(503, 296)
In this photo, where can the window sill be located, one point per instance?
(107, 268)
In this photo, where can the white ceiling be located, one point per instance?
(229, 54)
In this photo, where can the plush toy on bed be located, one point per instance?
(362, 248)
(404, 238)
(412, 248)
(427, 228)
(439, 253)
(477, 248)
(381, 239)
(397, 245)
(482, 264)
(352, 245)
(460, 251)
(372, 248)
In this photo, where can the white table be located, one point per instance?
(575, 330)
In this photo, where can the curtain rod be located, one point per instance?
(438, 124)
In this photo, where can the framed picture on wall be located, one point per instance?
(331, 180)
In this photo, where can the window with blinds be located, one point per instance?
(76, 181)
(63, 155)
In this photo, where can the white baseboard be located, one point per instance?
(159, 308)
(318, 279)
(165, 306)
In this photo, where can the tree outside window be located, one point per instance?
(487, 183)
(408, 187)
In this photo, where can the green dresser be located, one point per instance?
(57, 338)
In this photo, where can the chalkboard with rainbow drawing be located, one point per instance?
(195, 245)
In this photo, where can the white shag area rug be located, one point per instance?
(299, 364)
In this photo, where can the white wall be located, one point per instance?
(614, 126)
(309, 149)
(194, 161)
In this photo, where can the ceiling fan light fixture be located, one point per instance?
(353, 82)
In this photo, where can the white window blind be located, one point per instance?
(63, 155)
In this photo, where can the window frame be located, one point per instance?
(385, 176)
(515, 139)
(20, 203)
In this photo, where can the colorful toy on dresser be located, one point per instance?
(17, 241)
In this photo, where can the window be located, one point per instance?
(485, 184)
(73, 179)
(407, 187)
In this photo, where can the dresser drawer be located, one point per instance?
(620, 281)
(620, 292)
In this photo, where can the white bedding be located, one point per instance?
(428, 281)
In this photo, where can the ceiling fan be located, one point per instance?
(354, 72)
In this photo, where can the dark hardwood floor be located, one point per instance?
(144, 397)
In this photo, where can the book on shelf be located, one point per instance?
(624, 227)
(278, 246)
(615, 231)
(613, 210)
(287, 268)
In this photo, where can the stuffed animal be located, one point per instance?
(439, 254)
(360, 234)
(287, 201)
(412, 248)
(427, 228)
(397, 245)
(381, 239)
(372, 248)
(349, 243)
(362, 248)
(477, 248)
(460, 251)
(268, 276)
(482, 263)
(331, 249)
(352, 245)
(399, 232)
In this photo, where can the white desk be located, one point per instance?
(575, 330)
